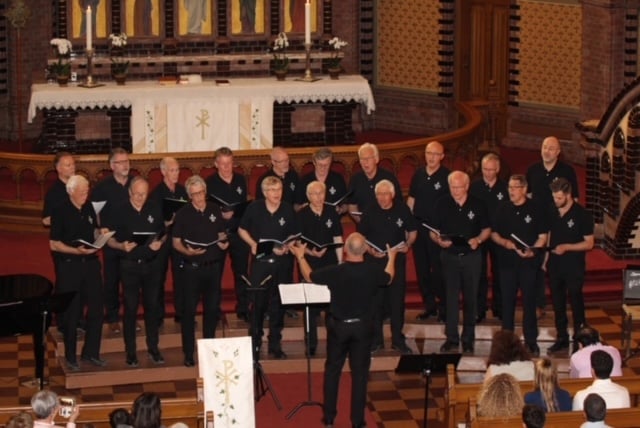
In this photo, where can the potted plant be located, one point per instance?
(280, 59)
(119, 64)
(333, 63)
(62, 68)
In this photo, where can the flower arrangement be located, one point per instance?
(119, 65)
(280, 59)
(63, 49)
(336, 44)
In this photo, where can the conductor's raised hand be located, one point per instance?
(297, 249)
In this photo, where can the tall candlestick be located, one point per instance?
(88, 29)
(307, 22)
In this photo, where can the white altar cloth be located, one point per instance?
(201, 116)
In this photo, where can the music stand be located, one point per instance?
(292, 294)
(261, 383)
(427, 364)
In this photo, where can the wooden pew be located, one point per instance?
(457, 395)
(186, 410)
(619, 418)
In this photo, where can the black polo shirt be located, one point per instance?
(162, 192)
(387, 226)
(233, 192)
(467, 220)
(55, 196)
(69, 223)
(526, 221)
(336, 188)
(352, 285)
(321, 229)
(126, 220)
(112, 192)
(427, 189)
(261, 224)
(570, 229)
(200, 226)
(292, 191)
(491, 195)
(539, 179)
(363, 188)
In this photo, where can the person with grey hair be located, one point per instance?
(78, 271)
(335, 186)
(389, 223)
(200, 237)
(45, 405)
(353, 285)
(57, 193)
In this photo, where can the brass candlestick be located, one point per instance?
(308, 75)
(89, 82)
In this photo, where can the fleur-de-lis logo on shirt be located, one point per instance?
(329, 223)
(90, 220)
(150, 219)
(239, 190)
(437, 186)
(399, 222)
(570, 223)
(471, 215)
(500, 196)
(293, 187)
(332, 190)
(212, 218)
(282, 221)
(528, 219)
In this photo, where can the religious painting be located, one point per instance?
(293, 11)
(98, 18)
(142, 18)
(247, 17)
(195, 18)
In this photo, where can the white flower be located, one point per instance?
(63, 46)
(281, 42)
(118, 40)
(337, 43)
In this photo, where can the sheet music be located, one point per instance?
(303, 293)
(98, 206)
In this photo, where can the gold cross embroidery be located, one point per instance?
(203, 121)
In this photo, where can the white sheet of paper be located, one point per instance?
(301, 293)
(98, 206)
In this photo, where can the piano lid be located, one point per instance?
(23, 286)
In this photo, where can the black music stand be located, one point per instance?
(261, 383)
(427, 364)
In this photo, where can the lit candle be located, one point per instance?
(88, 29)
(307, 22)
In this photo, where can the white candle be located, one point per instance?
(307, 22)
(88, 29)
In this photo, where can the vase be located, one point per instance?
(120, 78)
(281, 74)
(334, 73)
(63, 79)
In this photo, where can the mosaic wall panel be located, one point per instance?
(407, 44)
(550, 53)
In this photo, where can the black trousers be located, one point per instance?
(111, 274)
(562, 282)
(202, 281)
(140, 277)
(83, 276)
(394, 296)
(344, 340)
(239, 253)
(489, 253)
(426, 259)
(520, 276)
(461, 274)
(162, 257)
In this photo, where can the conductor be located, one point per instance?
(353, 285)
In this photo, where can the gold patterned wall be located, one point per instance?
(407, 44)
(550, 53)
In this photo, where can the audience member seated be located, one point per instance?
(21, 420)
(45, 407)
(533, 416)
(508, 355)
(500, 397)
(120, 418)
(588, 340)
(595, 410)
(147, 411)
(547, 394)
(616, 396)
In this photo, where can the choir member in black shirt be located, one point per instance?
(519, 226)
(168, 188)
(140, 268)
(353, 285)
(114, 190)
(231, 187)
(363, 183)
(462, 223)
(78, 270)
(268, 218)
(334, 182)
(389, 223)
(199, 235)
(321, 224)
(493, 191)
(427, 186)
(570, 237)
(292, 191)
(65, 167)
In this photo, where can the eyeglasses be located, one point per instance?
(120, 162)
(434, 154)
(198, 193)
(516, 187)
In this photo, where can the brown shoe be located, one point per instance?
(115, 328)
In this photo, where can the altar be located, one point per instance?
(238, 113)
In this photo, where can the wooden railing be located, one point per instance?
(25, 178)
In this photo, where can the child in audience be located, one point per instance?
(547, 394)
(508, 355)
(500, 397)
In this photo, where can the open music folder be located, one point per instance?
(304, 293)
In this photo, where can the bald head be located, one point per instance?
(280, 161)
(433, 155)
(550, 151)
(355, 246)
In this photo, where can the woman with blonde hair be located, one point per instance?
(500, 397)
(547, 393)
